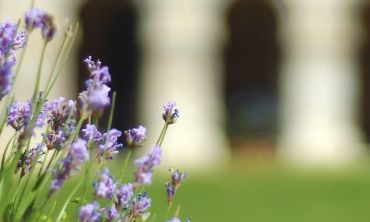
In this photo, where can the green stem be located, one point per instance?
(43, 163)
(168, 210)
(112, 110)
(38, 77)
(64, 55)
(163, 133)
(32, 3)
(20, 62)
(125, 165)
(61, 212)
(6, 150)
(57, 61)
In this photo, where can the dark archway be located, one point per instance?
(365, 71)
(251, 66)
(109, 34)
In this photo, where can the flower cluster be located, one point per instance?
(105, 187)
(122, 196)
(36, 18)
(10, 41)
(96, 97)
(20, 116)
(29, 159)
(77, 154)
(135, 137)
(107, 143)
(145, 166)
(176, 178)
(89, 212)
(62, 124)
(171, 113)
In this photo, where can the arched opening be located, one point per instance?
(109, 34)
(251, 74)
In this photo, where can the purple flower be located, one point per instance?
(139, 206)
(20, 40)
(135, 137)
(170, 113)
(96, 96)
(77, 154)
(124, 194)
(90, 133)
(10, 40)
(145, 166)
(19, 116)
(6, 78)
(36, 18)
(33, 18)
(89, 212)
(105, 186)
(61, 121)
(176, 178)
(110, 213)
(29, 159)
(108, 145)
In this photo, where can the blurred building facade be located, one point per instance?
(285, 70)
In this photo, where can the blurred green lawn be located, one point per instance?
(244, 194)
(267, 194)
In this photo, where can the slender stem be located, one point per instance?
(9, 100)
(32, 3)
(164, 133)
(38, 77)
(64, 56)
(112, 110)
(61, 212)
(168, 210)
(125, 165)
(57, 61)
(6, 150)
(20, 62)
(43, 163)
(51, 160)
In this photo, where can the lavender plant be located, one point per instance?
(71, 145)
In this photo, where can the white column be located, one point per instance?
(181, 41)
(319, 83)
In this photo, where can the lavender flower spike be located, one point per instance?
(105, 186)
(139, 206)
(171, 113)
(145, 166)
(77, 154)
(91, 133)
(36, 18)
(10, 40)
(135, 137)
(108, 145)
(176, 178)
(110, 213)
(89, 212)
(124, 195)
(96, 97)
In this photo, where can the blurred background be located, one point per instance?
(274, 97)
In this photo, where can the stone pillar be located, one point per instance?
(181, 46)
(319, 83)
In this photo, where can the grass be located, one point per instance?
(238, 194)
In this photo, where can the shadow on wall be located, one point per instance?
(251, 66)
(109, 34)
